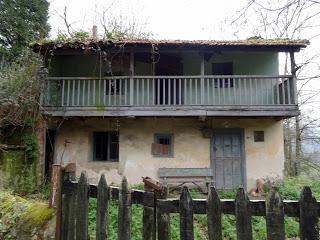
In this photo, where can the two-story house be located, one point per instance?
(132, 107)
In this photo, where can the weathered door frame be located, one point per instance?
(239, 131)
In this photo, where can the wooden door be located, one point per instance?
(228, 158)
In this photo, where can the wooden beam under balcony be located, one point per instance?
(216, 111)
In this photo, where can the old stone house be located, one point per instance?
(132, 107)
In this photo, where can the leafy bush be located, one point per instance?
(19, 92)
(21, 216)
(291, 187)
(32, 147)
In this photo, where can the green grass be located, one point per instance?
(289, 189)
(136, 223)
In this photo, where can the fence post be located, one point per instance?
(70, 196)
(124, 215)
(275, 216)
(149, 223)
(243, 216)
(309, 229)
(65, 211)
(214, 215)
(186, 215)
(56, 200)
(163, 219)
(82, 208)
(102, 209)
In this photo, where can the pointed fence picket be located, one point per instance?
(157, 209)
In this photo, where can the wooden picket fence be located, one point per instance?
(156, 212)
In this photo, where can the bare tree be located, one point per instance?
(291, 19)
(117, 27)
(66, 22)
(114, 24)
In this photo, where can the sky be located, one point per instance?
(167, 19)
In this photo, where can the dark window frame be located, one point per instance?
(108, 135)
(157, 137)
(258, 136)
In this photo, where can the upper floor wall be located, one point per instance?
(175, 64)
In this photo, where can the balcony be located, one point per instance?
(218, 95)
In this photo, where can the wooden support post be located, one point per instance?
(124, 215)
(82, 208)
(186, 215)
(214, 215)
(102, 209)
(202, 79)
(309, 228)
(56, 184)
(131, 79)
(294, 78)
(163, 219)
(149, 220)
(275, 216)
(243, 216)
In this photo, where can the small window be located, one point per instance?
(163, 145)
(106, 146)
(225, 68)
(258, 136)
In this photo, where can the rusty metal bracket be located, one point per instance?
(152, 184)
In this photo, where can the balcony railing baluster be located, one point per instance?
(169, 91)
(288, 90)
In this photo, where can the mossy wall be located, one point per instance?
(18, 167)
(13, 162)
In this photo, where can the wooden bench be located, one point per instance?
(181, 176)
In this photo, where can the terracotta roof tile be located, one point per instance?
(272, 44)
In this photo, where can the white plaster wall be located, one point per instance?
(191, 149)
(263, 159)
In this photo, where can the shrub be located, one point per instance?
(22, 217)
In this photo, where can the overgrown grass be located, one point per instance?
(289, 189)
(22, 216)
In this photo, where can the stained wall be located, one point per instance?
(191, 149)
